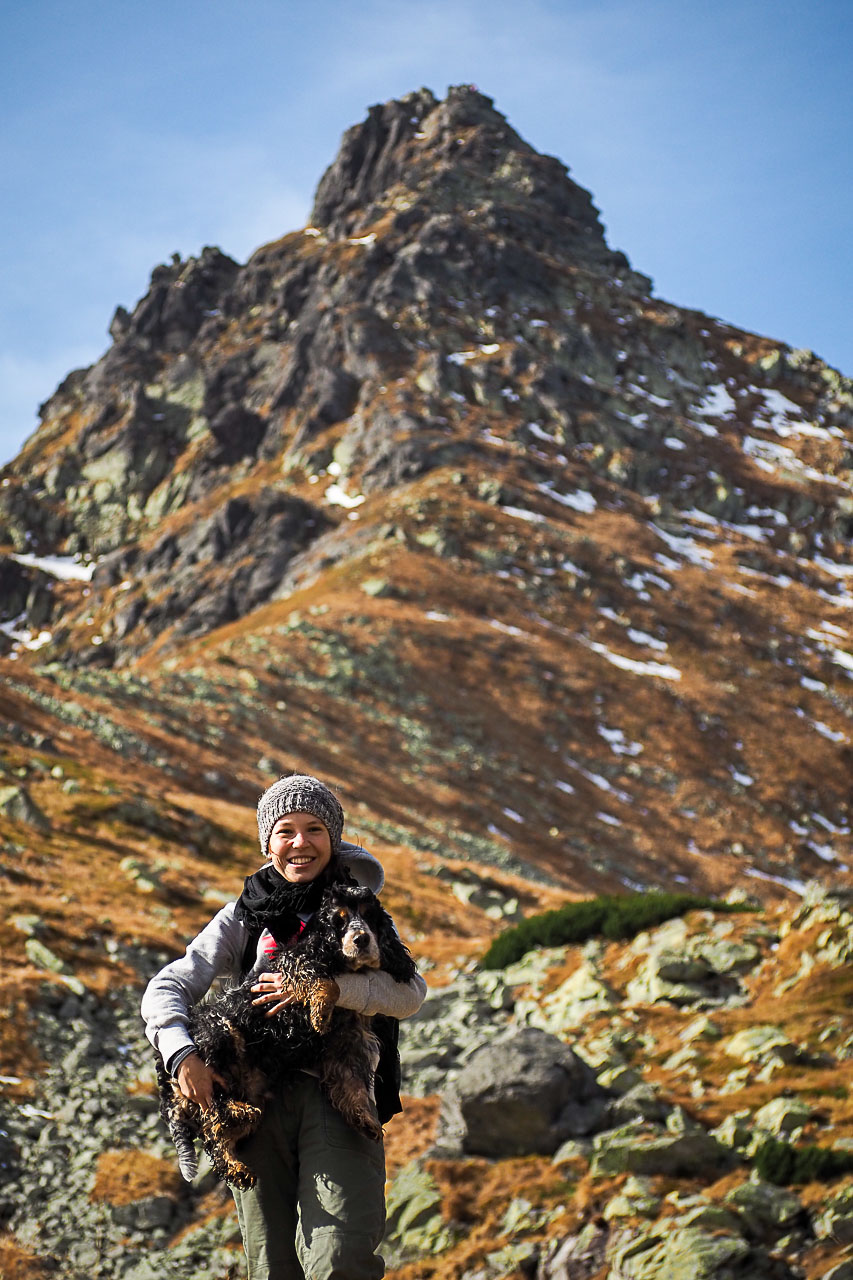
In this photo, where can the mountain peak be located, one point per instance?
(458, 154)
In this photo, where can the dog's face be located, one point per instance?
(355, 916)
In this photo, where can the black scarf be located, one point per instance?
(268, 901)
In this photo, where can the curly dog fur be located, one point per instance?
(256, 1055)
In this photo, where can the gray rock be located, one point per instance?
(783, 1115)
(646, 1149)
(836, 1221)
(642, 1102)
(524, 1093)
(713, 1216)
(682, 979)
(758, 1043)
(736, 1130)
(766, 1209)
(453, 1022)
(577, 1257)
(680, 1252)
(414, 1224)
(17, 804)
(636, 1199)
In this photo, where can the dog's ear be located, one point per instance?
(372, 910)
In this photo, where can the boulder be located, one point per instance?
(17, 804)
(524, 1093)
(675, 1253)
(736, 1130)
(756, 1044)
(767, 1211)
(647, 1149)
(641, 1102)
(685, 978)
(583, 994)
(836, 1221)
(782, 1116)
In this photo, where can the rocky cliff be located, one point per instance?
(434, 498)
(445, 429)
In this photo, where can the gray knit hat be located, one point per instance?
(299, 793)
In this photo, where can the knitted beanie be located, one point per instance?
(299, 793)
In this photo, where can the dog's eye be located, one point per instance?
(343, 914)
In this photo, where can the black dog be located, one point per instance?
(255, 1055)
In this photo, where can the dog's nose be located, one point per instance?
(362, 941)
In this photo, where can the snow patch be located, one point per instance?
(826, 732)
(339, 497)
(64, 567)
(717, 403)
(534, 517)
(580, 500)
(23, 638)
(798, 886)
(618, 743)
(651, 642)
(843, 659)
(685, 547)
(638, 668)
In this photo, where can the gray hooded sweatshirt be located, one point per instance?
(217, 953)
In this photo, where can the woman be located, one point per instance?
(318, 1209)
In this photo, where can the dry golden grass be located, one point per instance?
(409, 1135)
(17, 1263)
(123, 1177)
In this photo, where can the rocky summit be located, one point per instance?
(552, 580)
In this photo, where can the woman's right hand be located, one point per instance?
(196, 1080)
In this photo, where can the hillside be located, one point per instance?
(549, 577)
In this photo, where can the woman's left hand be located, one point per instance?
(273, 992)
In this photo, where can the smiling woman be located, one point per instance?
(300, 847)
(318, 1205)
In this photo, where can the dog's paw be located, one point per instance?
(324, 997)
(240, 1176)
(231, 1170)
(238, 1117)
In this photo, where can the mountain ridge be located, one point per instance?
(449, 422)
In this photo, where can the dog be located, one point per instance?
(256, 1055)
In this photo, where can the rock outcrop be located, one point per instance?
(524, 1092)
(452, 278)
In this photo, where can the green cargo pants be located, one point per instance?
(318, 1209)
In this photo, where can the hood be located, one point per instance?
(366, 869)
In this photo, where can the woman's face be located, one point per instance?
(300, 847)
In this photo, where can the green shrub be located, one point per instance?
(782, 1164)
(614, 916)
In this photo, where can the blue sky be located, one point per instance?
(715, 139)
